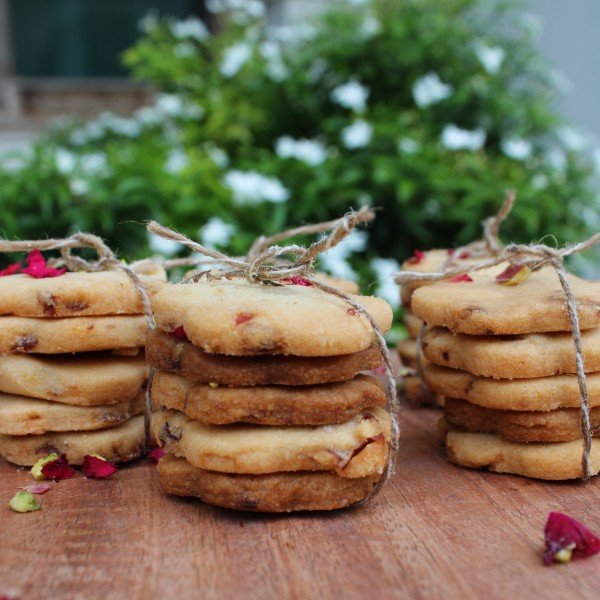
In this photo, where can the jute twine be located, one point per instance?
(106, 261)
(264, 264)
(536, 256)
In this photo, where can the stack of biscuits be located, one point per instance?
(502, 353)
(72, 367)
(264, 406)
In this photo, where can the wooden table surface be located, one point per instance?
(436, 531)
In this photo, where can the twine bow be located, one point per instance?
(106, 261)
(264, 264)
(536, 256)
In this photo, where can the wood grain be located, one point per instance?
(436, 531)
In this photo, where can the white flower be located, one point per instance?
(217, 155)
(370, 27)
(491, 57)
(250, 187)
(169, 104)
(351, 95)
(93, 163)
(235, 58)
(385, 268)
(275, 67)
(184, 50)
(162, 245)
(252, 8)
(310, 152)
(408, 146)
(572, 139)
(65, 161)
(191, 28)
(518, 149)
(357, 135)
(176, 161)
(147, 115)
(148, 22)
(79, 186)
(336, 260)
(430, 89)
(455, 138)
(215, 232)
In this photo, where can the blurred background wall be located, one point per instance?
(62, 56)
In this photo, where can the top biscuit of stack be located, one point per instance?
(265, 407)
(503, 353)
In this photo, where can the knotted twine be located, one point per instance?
(106, 261)
(535, 256)
(490, 245)
(263, 264)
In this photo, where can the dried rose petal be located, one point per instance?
(463, 277)
(464, 255)
(58, 469)
(10, 270)
(567, 538)
(514, 275)
(37, 267)
(179, 333)
(243, 318)
(451, 251)
(352, 311)
(156, 454)
(417, 257)
(380, 370)
(38, 488)
(96, 467)
(296, 280)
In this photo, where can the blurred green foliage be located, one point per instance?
(429, 110)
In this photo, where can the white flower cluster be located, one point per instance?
(430, 89)
(250, 187)
(275, 67)
(311, 152)
(215, 232)
(516, 148)
(455, 138)
(336, 260)
(357, 135)
(491, 57)
(190, 28)
(234, 58)
(241, 11)
(351, 95)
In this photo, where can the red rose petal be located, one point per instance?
(58, 469)
(417, 257)
(179, 333)
(36, 266)
(97, 468)
(37, 488)
(464, 277)
(10, 270)
(464, 255)
(296, 280)
(243, 318)
(563, 533)
(156, 454)
(450, 251)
